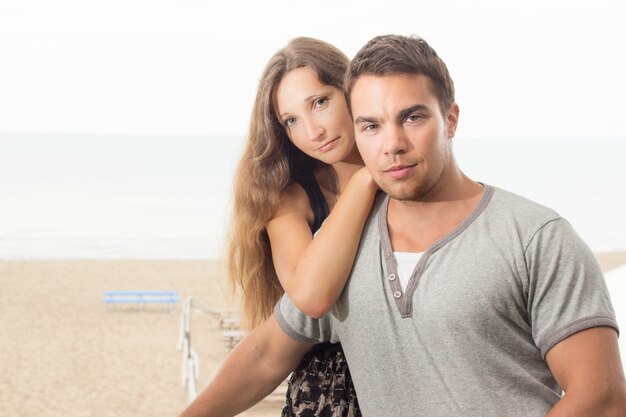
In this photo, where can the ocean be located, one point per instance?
(168, 197)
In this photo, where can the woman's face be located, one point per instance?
(315, 116)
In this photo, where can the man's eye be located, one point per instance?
(413, 118)
(369, 128)
(320, 102)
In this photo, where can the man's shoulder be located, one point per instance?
(508, 203)
(371, 230)
(379, 204)
(518, 217)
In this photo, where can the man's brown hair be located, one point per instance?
(396, 54)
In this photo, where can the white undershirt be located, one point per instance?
(406, 264)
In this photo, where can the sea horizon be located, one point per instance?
(168, 197)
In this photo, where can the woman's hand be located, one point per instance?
(364, 178)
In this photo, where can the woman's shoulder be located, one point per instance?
(293, 198)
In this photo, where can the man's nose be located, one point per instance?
(395, 141)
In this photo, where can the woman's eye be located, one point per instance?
(320, 101)
(290, 121)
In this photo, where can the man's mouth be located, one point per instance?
(398, 172)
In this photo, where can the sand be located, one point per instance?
(611, 260)
(63, 353)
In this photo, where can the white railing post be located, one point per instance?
(189, 358)
(192, 372)
(184, 342)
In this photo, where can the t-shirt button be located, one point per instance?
(397, 294)
(392, 277)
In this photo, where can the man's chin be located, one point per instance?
(404, 196)
(405, 192)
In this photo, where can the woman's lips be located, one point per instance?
(328, 145)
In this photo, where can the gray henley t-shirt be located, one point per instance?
(469, 335)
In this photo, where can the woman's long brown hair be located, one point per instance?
(269, 163)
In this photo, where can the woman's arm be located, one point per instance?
(254, 368)
(313, 272)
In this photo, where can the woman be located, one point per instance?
(299, 158)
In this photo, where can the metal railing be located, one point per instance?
(231, 334)
(190, 361)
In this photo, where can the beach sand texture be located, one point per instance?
(62, 353)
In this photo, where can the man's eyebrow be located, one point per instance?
(403, 114)
(365, 119)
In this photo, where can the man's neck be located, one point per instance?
(415, 225)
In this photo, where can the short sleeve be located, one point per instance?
(567, 292)
(299, 326)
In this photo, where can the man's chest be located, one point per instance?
(479, 290)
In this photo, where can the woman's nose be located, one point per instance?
(314, 130)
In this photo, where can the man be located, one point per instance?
(464, 299)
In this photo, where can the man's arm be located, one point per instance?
(255, 367)
(587, 366)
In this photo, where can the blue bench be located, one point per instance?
(141, 297)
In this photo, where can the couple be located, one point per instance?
(460, 299)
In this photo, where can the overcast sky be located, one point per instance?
(531, 69)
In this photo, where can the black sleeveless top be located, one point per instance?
(320, 212)
(316, 200)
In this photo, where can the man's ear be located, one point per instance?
(452, 119)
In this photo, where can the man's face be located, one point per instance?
(401, 134)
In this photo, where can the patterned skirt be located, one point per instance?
(321, 386)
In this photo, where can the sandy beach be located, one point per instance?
(63, 353)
